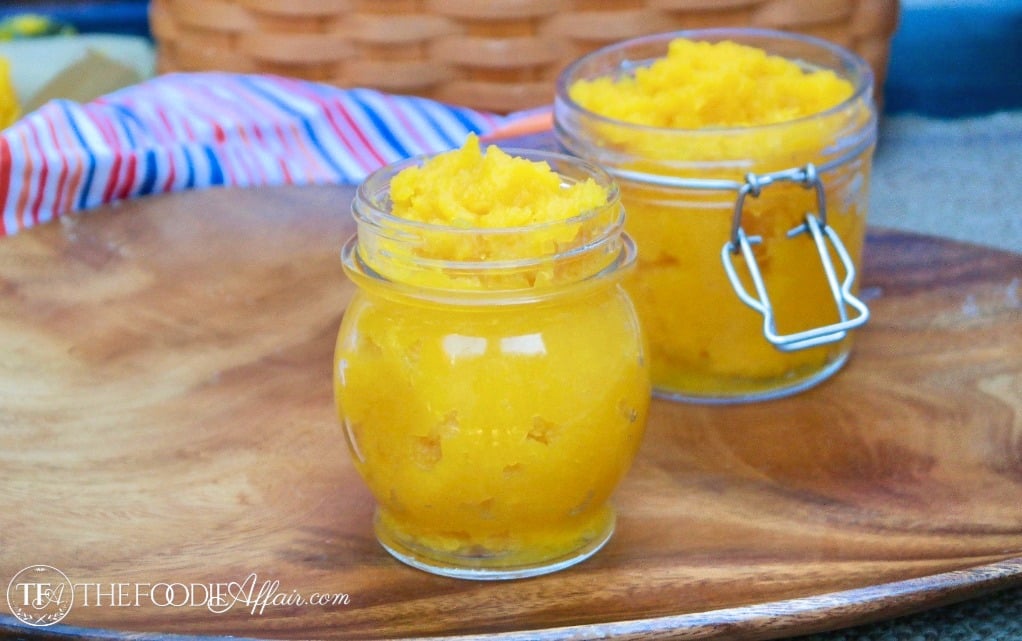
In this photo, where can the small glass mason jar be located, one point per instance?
(749, 237)
(491, 405)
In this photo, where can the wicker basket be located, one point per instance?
(497, 55)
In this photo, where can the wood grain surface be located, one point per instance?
(166, 417)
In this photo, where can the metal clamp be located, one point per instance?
(820, 233)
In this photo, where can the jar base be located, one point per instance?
(484, 567)
(791, 388)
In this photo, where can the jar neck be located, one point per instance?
(494, 294)
(443, 261)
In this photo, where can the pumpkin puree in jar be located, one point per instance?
(705, 84)
(742, 110)
(494, 431)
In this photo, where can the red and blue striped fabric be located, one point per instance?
(190, 131)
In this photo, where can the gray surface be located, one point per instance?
(997, 617)
(960, 178)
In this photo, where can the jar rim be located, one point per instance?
(356, 267)
(368, 208)
(858, 69)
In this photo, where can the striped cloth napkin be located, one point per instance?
(199, 130)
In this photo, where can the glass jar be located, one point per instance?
(749, 237)
(491, 406)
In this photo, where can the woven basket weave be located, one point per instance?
(497, 55)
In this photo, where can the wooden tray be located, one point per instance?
(166, 417)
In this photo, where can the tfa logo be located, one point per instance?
(40, 595)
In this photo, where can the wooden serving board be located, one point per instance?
(166, 418)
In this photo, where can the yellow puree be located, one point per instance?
(703, 84)
(492, 190)
(495, 432)
(473, 206)
(9, 109)
(703, 339)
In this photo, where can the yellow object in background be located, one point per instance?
(29, 25)
(9, 109)
(26, 25)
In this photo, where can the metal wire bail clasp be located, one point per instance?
(820, 233)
